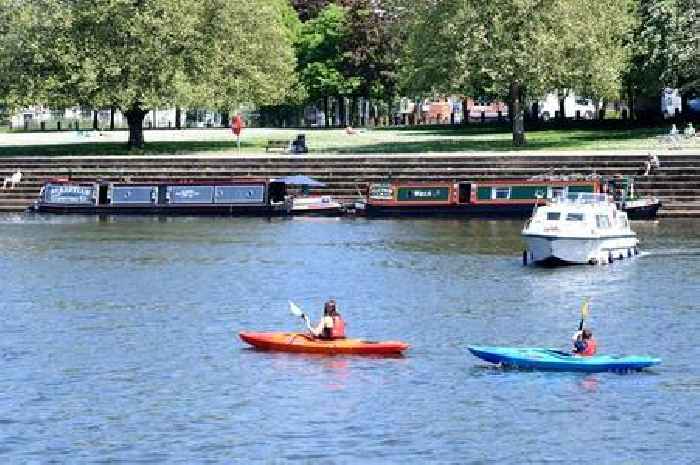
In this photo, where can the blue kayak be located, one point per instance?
(558, 360)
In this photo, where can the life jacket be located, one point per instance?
(338, 330)
(591, 348)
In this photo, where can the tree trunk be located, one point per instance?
(516, 96)
(134, 118)
(111, 118)
(353, 112)
(178, 117)
(326, 115)
(341, 111)
(562, 107)
(95, 123)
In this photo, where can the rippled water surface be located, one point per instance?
(118, 340)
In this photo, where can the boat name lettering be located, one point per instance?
(423, 193)
(71, 190)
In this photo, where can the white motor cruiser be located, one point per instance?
(578, 228)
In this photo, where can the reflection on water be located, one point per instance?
(119, 343)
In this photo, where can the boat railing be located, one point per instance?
(580, 198)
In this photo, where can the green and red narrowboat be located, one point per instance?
(493, 198)
(496, 198)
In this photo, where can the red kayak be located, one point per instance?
(304, 343)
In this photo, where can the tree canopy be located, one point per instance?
(666, 46)
(509, 47)
(137, 55)
(320, 56)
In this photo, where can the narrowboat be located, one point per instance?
(237, 197)
(497, 198)
(490, 198)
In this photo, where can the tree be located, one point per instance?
(138, 55)
(510, 47)
(666, 49)
(320, 56)
(372, 49)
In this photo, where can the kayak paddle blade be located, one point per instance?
(295, 310)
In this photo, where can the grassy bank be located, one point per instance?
(408, 140)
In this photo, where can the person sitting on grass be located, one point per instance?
(331, 325)
(584, 344)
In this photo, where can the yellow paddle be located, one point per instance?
(584, 311)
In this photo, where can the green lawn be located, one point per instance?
(405, 140)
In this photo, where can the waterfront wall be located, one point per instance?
(676, 183)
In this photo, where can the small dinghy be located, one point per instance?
(532, 358)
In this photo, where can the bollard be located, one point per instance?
(58, 125)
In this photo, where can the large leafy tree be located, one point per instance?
(666, 45)
(371, 53)
(320, 56)
(509, 47)
(141, 54)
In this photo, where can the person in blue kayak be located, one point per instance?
(331, 325)
(584, 344)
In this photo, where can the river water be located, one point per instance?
(119, 344)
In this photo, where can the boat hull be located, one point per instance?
(645, 211)
(521, 211)
(303, 343)
(555, 360)
(573, 250)
(184, 210)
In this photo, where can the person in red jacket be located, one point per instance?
(331, 325)
(584, 344)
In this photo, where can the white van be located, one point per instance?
(549, 107)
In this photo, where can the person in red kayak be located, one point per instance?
(331, 325)
(584, 344)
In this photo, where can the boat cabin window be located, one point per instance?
(553, 216)
(557, 191)
(501, 193)
(602, 221)
(574, 217)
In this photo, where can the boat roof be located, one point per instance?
(488, 182)
(581, 198)
(169, 182)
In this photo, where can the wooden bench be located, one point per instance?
(277, 144)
